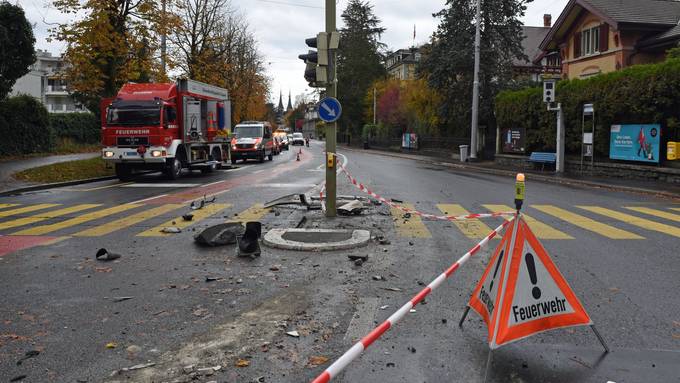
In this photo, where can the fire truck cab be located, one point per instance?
(167, 127)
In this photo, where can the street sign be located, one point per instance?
(329, 109)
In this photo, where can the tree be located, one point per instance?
(449, 61)
(16, 46)
(116, 41)
(359, 62)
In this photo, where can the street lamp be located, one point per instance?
(475, 86)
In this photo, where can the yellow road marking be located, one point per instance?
(541, 230)
(472, 228)
(6, 205)
(199, 215)
(104, 187)
(412, 227)
(635, 221)
(27, 209)
(47, 215)
(586, 223)
(40, 230)
(656, 213)
(124, 222)
(675, 208)
(253, 213)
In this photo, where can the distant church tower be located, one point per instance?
(290, 105)
(279, 110)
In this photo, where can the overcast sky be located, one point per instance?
(282, 25)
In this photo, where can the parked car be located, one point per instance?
(284, 141)
(252, 140)
(298, 139)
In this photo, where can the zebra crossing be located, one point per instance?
(548, 222)
(563, 223)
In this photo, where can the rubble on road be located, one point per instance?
(220, 235)
(104, 255)
(351, 208)
(171, 230)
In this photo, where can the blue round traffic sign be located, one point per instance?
(329, 109)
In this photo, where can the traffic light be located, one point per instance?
(316, 72)
(549, 90)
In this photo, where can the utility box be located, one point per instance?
(672, 151)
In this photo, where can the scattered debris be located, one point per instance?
(294, 334)
(390, 364)
(317, 360)
(410, 243)
(249, 243)
(201, 204)
(354, 257)
(18, 378)
(133, 350)
(375, 202)
(412, 349)
(140, 366)
(208, 371)
(412, 311)
(358, 262)
(220, 235)
(28, 355)
(444, 321)
(104, 255)
(396, 289)
(378, 278)
(406, 216)
(171, 230)
(396, 200)
(242, 363)
(121, 299)
(188, 217)
(212, 279)
(383, 241)
(103, 269)
(351, 208)
(111, 345)
(384, 307)
(275, 268)
(302, 222)
(290, 199)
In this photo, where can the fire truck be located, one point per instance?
(166, 127)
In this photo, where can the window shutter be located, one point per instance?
(604, 37)
(577, 44)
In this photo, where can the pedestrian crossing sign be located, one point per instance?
(522, 293)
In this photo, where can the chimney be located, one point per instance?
(547, 20)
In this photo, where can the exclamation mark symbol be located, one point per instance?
(531, 267)
(498, 263)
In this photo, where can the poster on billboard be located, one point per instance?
(409, 141)
(635, 142)
(513, 140)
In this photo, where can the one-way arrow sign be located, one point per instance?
(329, 109)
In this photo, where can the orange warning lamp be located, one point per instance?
(519, 191)
(330, 159)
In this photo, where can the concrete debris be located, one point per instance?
(294, 334)
(396, 200)
(171, 230)
(249, 243)
(412, 311)
(28, 355)
(395, 289)
(406, 215)
(378, 278)
(188, 217)
(220, 235)
(121, 299)
(200, 205)
(290, 199)
(358, 262)
(351, 208)
(104, 255)
(354, 257)
(384, 307)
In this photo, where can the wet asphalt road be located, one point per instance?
(57, 300)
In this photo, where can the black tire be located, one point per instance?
(262, 156)
(271, 156)
(174, 168)
(217, 156)
(233, 161)
(123, 172)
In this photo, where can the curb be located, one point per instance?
(274, 238)
(54, 185)
(510, 173)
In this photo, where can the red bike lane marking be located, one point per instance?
(10, 244)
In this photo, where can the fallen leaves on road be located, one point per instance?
(317, 360)
(103, 269)
(242, 363)
(111, 345)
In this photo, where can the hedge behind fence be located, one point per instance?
(642, 94)
(24, 126)
(80, 127)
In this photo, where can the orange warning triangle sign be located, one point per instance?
(532, 296)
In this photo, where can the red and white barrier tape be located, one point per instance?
(380, 198)
(334, 369)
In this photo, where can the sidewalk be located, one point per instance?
(9, 167)
(490, 167)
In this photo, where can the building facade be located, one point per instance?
(402, 63)
(536, 64)
(311, 118)
(45, 83)
(600, 36)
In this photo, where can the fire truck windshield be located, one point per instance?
(134, 116)
(248, 131)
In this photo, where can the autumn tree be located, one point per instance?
(16, 46)
(114, 42)
(359, 62)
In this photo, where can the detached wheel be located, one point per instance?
(123, 172)
(174, 169)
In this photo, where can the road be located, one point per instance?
(618, 251)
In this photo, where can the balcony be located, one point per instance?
(56, 90)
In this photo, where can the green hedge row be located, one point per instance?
(642, 94)
(26, 127)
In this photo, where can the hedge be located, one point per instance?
(24, 126)
(641, 94)
(82, 128)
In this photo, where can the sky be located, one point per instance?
(281, 27)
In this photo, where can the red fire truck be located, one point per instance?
(166, 127)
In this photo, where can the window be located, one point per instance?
(590, 41)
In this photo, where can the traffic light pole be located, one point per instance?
(331, 128)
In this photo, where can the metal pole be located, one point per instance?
(560, 140)
(475, 86)
(599, 337)
(332, 128)
(163, 43)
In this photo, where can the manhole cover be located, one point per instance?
(311, 237)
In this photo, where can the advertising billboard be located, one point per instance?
(635, 142)
(409, 141)
(513, 140)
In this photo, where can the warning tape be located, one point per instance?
(380, 198)
(334, 369)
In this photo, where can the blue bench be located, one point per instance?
(543, 158)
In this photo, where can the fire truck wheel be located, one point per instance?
(217, 156)
(174, 169)
(262, 156)
(271, 156)
(123, 172)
